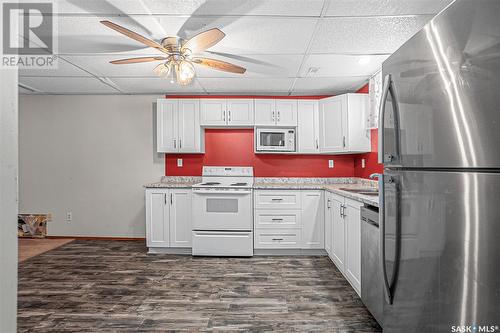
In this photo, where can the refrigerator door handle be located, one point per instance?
(387, 289)
(388, 89)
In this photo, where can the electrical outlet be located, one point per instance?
(69, 216)
(179, 162)
(363, 163)
(331, 164)
(49, 217)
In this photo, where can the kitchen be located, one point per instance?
(322, 165)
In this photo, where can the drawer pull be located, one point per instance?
(277, 219)
(276, 199)
(277, 239)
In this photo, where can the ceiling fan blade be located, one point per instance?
(203, 40)
(137, 60)
(219, 65)
(134, 35)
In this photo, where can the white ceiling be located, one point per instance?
(289, 47)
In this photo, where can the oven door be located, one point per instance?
(222, 210)
(274, 140)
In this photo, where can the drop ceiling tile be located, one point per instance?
(320, 86)
(246, 86)
(154, 85)
(256, 35)
(332, 65)
(67, 85)
(193, 7)
(368, 35)
(63, 68)
(384, 7)
(265, 66)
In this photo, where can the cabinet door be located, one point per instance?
(213, 112)
(338, 234)
(313, 220)
(328, 224)
(307, 132)
(240, 112)
(189, 126)
(353, 246)
(180, 217)
(286, 112)
(157, 216)
(264, 112)
(166, 126)
(332, 122)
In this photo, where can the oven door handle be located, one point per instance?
(221, 192)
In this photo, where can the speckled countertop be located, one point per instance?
(333, 185)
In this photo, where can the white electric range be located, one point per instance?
(223, 213)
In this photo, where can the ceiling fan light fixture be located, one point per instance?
(185, 72)
(162, 70)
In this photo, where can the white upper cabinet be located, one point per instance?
(213, 112)
(342, 124)
(240, 112)
(178, 126)
(227, 112)
(308, 127)
(264, 112)
(276, 112)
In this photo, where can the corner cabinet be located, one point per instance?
(168, 218)
(178, 127)
(342, 124)
(227, 112)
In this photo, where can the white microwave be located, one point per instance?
(275, 139)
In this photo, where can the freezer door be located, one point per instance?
(441, 250)
(444, 82)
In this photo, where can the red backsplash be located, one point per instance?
(235, 147)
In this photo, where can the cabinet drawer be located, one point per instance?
(277, 238)
(270, 199)
(277, 219)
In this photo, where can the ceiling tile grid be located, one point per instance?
(289, 47)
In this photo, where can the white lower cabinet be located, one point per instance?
(313, 225)
(168, 218)
(277, 239)
(343, 236)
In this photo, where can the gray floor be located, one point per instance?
(97, 286)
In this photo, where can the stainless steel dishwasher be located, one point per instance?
(371, 278)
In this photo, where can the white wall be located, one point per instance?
(8, 199)
(89, 155)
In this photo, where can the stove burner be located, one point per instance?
(239, 184)
(210, 183)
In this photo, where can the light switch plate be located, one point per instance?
(330, 164)
(363, 163)
(179, 162)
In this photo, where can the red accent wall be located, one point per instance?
(371, 159)
(235, 147)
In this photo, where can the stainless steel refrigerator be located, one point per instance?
(439, 139)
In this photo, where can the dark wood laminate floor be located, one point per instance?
(101, 286)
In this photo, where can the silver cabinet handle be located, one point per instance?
(276, 199)
(343, 141)
(171, 198)
(175, 143)
(165, 198)
(277, 239)
(229, 116)
(180, 143)
(329, 204)
(388, 89)
(277, 220)
(278, 116)
(224, 116)
(343, 211)
(272, 115)
(317, 144)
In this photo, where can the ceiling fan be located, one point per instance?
(180, 54)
